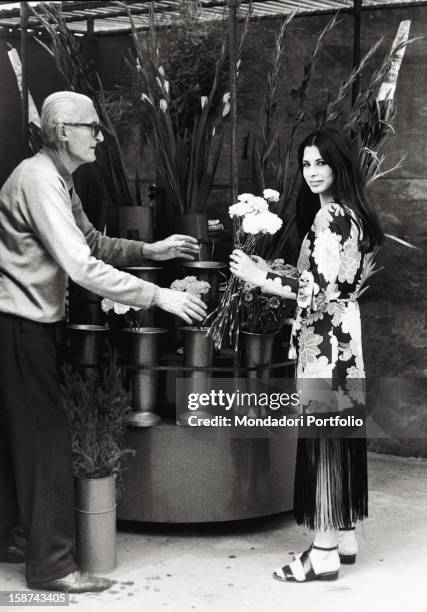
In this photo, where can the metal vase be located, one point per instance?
(85, 344)
(96, 524)
(192, 224)
(151, 274)
(144, 350)
(208, 271)
(258, 351)
(84, 306)
(124, 219)
(198, 352)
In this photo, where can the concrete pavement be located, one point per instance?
(227, 567)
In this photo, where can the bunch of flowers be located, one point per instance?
(251, 220)
(190, 284)
(262, 314)
(279, 266)
(121, 309)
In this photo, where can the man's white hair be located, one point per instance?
(60, 107)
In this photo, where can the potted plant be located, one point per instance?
(97, 407)
(186, 152)
(262, 318)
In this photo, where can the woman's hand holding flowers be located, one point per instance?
(242, 266)
(261, 263)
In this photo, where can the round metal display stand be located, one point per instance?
(194, 475)
(183, 474)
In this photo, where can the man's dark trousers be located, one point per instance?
(36, 480)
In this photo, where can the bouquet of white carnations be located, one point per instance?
(251, 220)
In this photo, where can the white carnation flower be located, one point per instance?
(240, 209)
(247, 204)
(107, 305)
(245, 197)
(263, 222)
(271, 195)
(259, 203)
(121, 308)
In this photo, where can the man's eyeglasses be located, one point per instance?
(95, 126)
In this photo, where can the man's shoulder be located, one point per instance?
(37, 171)
(39, 162)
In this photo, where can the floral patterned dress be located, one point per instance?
(331, 473)
(327, 328)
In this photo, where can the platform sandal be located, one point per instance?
(347, 558)
(304, 567)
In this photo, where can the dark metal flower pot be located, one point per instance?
(84, 306)
(198, 352)
(151, 274)
(209, 271)
(122, 220)
(144, 350)
(258, 351)
(192, 224)
(85, 344)
(96, 524)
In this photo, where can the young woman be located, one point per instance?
(338, 227)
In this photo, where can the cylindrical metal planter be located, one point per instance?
(198, 352)
(192, 224)
(96, 524)
(84, 306)
(144, 350)
(124, 219)
(85, 344)
(144, 318)
(258, 351)
(208, 271)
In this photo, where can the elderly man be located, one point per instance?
(45, 238)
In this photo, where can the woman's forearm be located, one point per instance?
(283, 286)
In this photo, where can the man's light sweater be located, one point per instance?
(45, 237)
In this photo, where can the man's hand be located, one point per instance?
(185, 305)
(245, 268)
(177, 245)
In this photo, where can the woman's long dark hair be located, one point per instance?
(349, 187)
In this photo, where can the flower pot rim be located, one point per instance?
(204, 329)
(112, 475)
(192, 214)
(248, 333)
(87, 327)
(204, 265)
(145, 330)
(142, 268)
